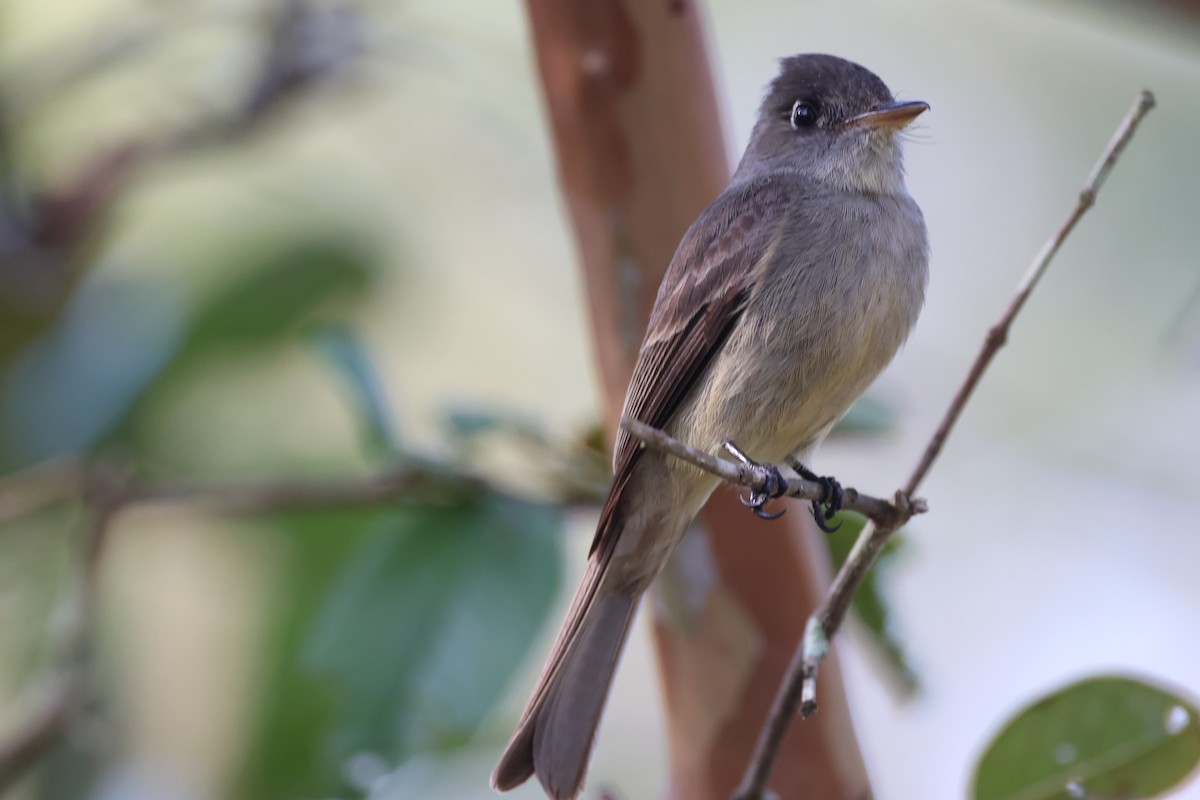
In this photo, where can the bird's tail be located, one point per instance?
(554, 737)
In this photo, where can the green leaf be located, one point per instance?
(468, 422)
(295, 711)
(1104, 737)
(66, 388)
(343, 350)
(279, 285)
(118, 342)
(413, 641)
(38, 565)
(869, 602)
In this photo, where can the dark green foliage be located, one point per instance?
(78, 379)
(119, 344)
(349, 359)
(1102, 738)
(407, 643)
(279, 286)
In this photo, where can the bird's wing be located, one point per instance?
(701, 298)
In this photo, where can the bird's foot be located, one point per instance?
(767, 476)
(830, 502)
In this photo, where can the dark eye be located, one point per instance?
(804, 115)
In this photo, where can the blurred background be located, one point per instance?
(243, 242)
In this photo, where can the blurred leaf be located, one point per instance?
(118, 342)
(278, 287)
(66, 388)
(466, 422)
(869, 602)
(345, 352)
(37, 566)
(431, 617)
(71, 770)
(295, 710)
(869, 416)
(1103, 737)
(411, 644)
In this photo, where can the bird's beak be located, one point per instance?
(890, 115)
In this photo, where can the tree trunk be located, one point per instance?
(641, 151)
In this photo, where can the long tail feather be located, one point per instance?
(555, 735)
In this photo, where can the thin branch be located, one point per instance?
(998, 335)
(798, 691)
(894, 513)
(25, 492)
(408, 483)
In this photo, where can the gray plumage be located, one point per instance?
(786, 298)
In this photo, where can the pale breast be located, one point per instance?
(829, 312)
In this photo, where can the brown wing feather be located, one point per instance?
(701, 298)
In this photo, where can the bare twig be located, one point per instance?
(998, 335)
(409, 483)
(894, 513)
(798, 692)
(27, 491)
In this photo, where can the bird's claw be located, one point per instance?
(830, 503)
(826, 507)
(767, 475)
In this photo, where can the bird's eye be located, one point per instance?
(804, 115)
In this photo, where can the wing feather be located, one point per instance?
(699, 303)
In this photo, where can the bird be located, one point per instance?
(784, 300)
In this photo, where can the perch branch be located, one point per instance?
(798, 691)
(894, 513)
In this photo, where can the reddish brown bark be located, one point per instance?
(641, 151)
